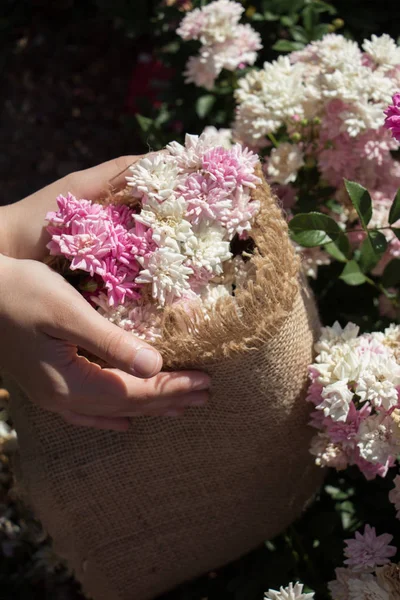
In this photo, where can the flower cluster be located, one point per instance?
(369, 572)
(172, 241)
(225, 43)
(392, 121)
(291, 592)
(355, 387)
(324, 107)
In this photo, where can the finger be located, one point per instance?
(93, 182)
(80, 324)
(91, 390)
(113, 424)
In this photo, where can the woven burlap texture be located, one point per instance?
(137, 513)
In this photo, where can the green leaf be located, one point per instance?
(145, 123)
(372, 250)
(361, 201)
(309, 17)
(321, 7)
(396, 231)
(340, 249)
(270, 16)
(287, 46)
(352, 274)
(320, 30)
(394, 214)
(314, 229)
(391, 274)
(298, 34)
(204, 104)
(258, 17)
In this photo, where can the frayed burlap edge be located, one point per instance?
(256, 313)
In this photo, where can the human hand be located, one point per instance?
(43, 320)
(23, 231)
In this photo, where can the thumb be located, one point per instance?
(83, 326)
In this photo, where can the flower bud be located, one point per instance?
(338, 23)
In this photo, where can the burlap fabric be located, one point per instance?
(137, 513)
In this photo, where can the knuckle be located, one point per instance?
(146, 392)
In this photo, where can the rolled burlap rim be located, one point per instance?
(246, 321)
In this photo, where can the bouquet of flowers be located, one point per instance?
(194, 256)
(179, 237)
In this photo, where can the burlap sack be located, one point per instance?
(137, 513)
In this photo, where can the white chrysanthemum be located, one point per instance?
(383, 50)
(340, 363)
(378, 393)
(376, 441)
(333, 52)
(284, 163)
(244, 271)
(339, 587)
(268, 98)
(202, 70)
(366, 587)
(189, 157)
(328, 454)
(154, 177)
(392, 335)
(241, 217)
(241, 49)
(331, 336)
(213, 292)
(165, 271)
(212, 23)
(379, 379)
(361, 116)
(207, 249)
(336, 400)
(144, 322)
(394, 495)
(220, 137)
(169, 228)
(291, 592)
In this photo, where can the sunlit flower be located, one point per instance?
(291, 592)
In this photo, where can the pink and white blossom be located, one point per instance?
(368, 550)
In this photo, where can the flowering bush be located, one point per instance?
(224, 43)
(170, 242)
(369, 573)
(356, 392)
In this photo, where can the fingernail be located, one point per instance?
(146, 362)
(201, 382)
(173, 413)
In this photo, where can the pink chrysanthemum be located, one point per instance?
(205, 199)
(369, 550)
(120, 282)
(231, 168)
(392, 121)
